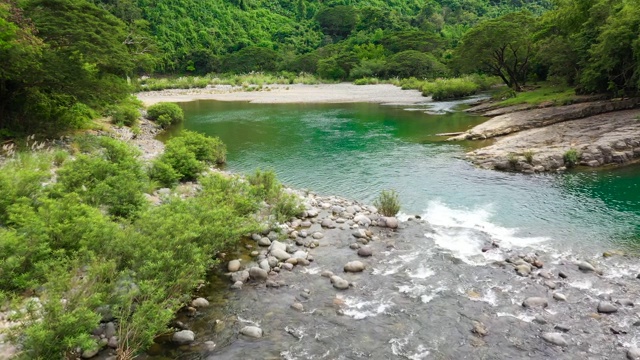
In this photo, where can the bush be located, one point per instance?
(265, 184)
(444, 89)
(171, 113)
(286, 207)
(126, 112)
(164, 174)
(528, 156)
(387, 203)
(414, 63)
(571, 157)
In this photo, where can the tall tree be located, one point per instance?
(503, 47)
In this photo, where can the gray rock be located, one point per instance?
(339, 283)
(354, 266)
(337, 209)
(545, 274)
(196, 303)
(365, 251)
(391, 222)
(317, 235)
(555, 338)
(326, 274)
(362, 220)
(633, 353)
(327, 223)
(280, 254)
(287, 266)
(523, 269)
(277, 245)
(264, 265)
(264, 241)
(234, 265)
(550, 284)
(300, 254)
(479, 328)
(562, 275)
(359, 234)
(109, 329)
(585, 266)
(293, 234)
(241, 276)
(305, 224)
(183, 337)
(311, 213)
(273, 261)
(297, 306)
(209, 345)
(605, 307)
(272, 236)
(562, 327)
(560, 297)
(88, 354)
(303, 262)
(237, 285)
(113, 342)
(625, 302)
(251, 331)
(258, 274)
(256, 237)
(535, 301)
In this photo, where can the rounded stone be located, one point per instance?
(251, 331)
(354, 266)
(199, 302)
(554, 338)
(183, 337)
(365, 251)
(257, 273)
(535, 301)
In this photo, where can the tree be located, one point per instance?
(414, 63)
(502, 47)
(337, 21)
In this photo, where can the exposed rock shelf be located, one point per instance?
(602, 133)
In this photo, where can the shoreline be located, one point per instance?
(292, 94)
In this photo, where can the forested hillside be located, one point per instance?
(66, 61)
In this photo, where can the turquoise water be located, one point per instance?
(356, 150)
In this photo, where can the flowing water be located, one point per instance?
(424, 284)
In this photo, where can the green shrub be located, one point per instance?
(265, 184)
(206, 148)
(387, 203)
(366, 81)
(59, 157)
(164, 174)
(571, 157)
(172, 113)
(286, 207)
(444, 89)
(512, 158)
(528, 156)
(183, 162)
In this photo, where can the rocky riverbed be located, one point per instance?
(605, 132)
(342, 282)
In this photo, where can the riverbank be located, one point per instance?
(600, 133)
(336, 284)
(295, 93)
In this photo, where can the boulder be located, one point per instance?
(317, 235)
(391, 222)
(234, 265)
(339, 283)
(354, 266)
(183, 337)
(196, 303)
(241, 276)
(362, 220)
(605, 307)
(554, 338)
(265, 241)
(280, 254)
(535, 301)
(251, 331)
(365, 251)
(585, 266)
(258, 274)
(278, 245)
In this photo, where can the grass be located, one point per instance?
(253, 81)
(387, 203)
(558, 95)
(451, 88)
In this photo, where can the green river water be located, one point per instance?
(356, 150)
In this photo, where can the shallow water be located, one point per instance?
(356, 150)
(426, 283)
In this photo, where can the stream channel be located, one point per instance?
(429, 280)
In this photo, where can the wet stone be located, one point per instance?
(605, 307)
(365, 251)
(535, 302)
(555, 338)
(585, 266)
(559, 297)
(251, 331)
(562, 327)
(234, 265)
(297, 306)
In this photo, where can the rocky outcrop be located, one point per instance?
(609, 138)
(523, 120)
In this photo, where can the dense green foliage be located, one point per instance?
(165, 114)
(91, 250)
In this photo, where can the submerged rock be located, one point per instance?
(251, 331)
(339, 283)
(257, 273)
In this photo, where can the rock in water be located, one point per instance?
(605, 307)
(555, 338)
(339, 283)
(535, 302)
(251, 331)
(354, 266)
(392, 222)
(479, 328)
(559, 297)
(234, 265)
(523, 270)
(258, 274)
(317, 235)
(362, 220)
(199, 302)
(633, 353)
(364, 251)
(327, 223)
(183, 337)
(280, 254)
(585, 266)
(265, 241)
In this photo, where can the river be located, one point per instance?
(419, 292)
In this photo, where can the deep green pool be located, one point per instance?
(356, 150)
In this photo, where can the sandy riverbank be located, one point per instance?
(296, 93)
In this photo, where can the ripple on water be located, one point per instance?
(360, 309)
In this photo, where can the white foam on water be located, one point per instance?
(311, 271)
(421, 353)
(256, 323)
(422, 272)
(398, 346)
(581, 284)
(459, 232)
(523, 317)
(361, 309)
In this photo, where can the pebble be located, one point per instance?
(562, 275)
(297, 306)
(545, 274)
(339, 283)
(605, 307)
(237, 285)
(287, 266)
(523, 269)
(280, 254)
(326, 274)
(585, 266)
(391, 222)
(555, 338)
(561, 327)
(535, 302)
(550, 284)
(327, 223)
(264, 241)
(317, 235)
(625, 302)
(257, 273)
(560, 297)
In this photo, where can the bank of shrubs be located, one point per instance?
(452, 88)
(91, 248)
